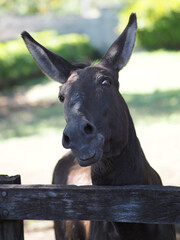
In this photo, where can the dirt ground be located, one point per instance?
(44, 230)
(38, 230)
(36, 157)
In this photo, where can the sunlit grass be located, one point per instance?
(154, 107)
(150, 85)
(31, 120)
(147, 72)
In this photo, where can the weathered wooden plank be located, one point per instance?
(140, 204)
(9, 230)
(5, 179)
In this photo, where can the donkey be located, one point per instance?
(101, 136)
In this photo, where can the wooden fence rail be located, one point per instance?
(139, 204)
(9, 229)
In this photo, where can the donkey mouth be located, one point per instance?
(86, 161)
(86, 158)
(90, 154)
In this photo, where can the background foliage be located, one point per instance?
(165, 33)
(29, 7)
(158, 27)
(23, 7)
(158, 22)
(17, 64)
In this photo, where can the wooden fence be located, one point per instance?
(139, 204)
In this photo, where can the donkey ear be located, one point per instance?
(50, 63)
(120, 51)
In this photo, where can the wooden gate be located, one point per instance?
(138, 204)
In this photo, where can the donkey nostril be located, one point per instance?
(88, 129)
(66, 139)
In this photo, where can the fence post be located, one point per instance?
(9, 229)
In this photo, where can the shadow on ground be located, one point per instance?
(30, 120)
(19, 120)
(154, 105)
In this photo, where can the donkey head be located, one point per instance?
(94, 110)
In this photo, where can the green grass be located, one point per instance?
(150, 85)
(32, 120)
(154, 107)
(147, 72)
(35, 120)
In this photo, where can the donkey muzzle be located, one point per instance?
(84, 141)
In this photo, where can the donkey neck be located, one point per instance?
(128, 168)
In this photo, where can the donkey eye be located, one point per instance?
(106, 82)
(61, 98)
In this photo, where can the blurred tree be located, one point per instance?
(158, 22)
(148, 11)
(42, 6)
(165, 33)
(32, 6)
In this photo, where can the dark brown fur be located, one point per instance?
(101, 136)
